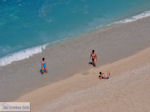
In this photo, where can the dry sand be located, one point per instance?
(127, 90)
(70, 57)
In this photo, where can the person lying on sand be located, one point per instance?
(43, 66)
(94, 58)
(104, 76)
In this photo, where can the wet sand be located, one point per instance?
(72, 56)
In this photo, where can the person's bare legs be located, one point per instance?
(93, 63)
(46, 69)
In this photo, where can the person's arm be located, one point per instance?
(95, 56)
(41, 65)
(91, 56)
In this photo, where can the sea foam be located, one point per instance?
(21, 55)
(134, 18)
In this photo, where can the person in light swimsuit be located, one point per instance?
(93, 58)
(43, 66)
(104, 76)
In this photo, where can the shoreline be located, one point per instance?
(26, 53)
(107, 43)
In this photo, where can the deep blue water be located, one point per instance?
(29, 23)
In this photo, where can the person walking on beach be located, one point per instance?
(94, 58)
(43, 66)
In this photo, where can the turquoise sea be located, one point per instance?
(27, 26)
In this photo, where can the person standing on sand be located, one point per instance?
(94, 58)
(43, 66)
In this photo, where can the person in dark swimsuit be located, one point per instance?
(94, 58)
(43, 66)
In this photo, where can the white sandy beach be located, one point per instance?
(72, 85)
(127, 90)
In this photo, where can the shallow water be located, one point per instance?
(26, 24)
